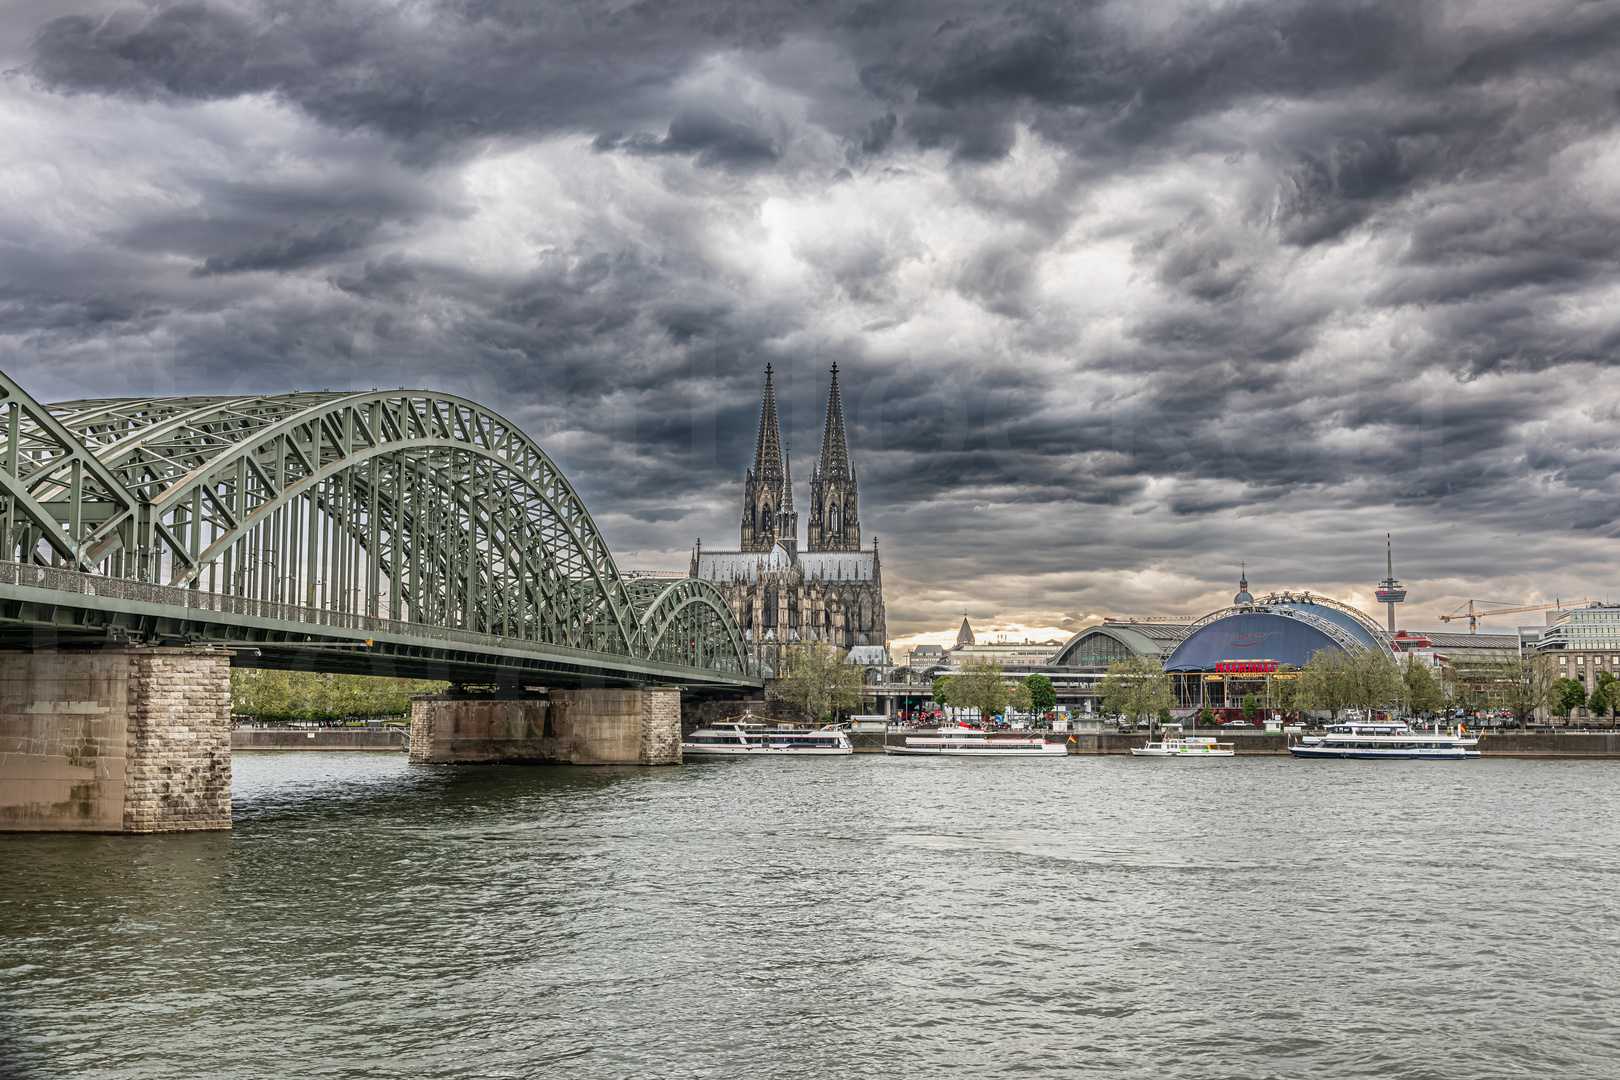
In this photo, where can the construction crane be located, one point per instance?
(1473, 616)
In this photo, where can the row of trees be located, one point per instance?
(280, 696)
(982, 684)
(818, 681)
(1333, 681)
(1570, 694)
(1136, 687)
(1518, 684)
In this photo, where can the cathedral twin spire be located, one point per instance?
(768, 449)
(834, 450)
(835, 520)
(768, 513)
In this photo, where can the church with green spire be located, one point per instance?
(832, 590)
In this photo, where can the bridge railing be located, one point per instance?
(72, 581)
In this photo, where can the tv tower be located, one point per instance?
(1389, 590)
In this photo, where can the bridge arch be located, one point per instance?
(688, 620)
(405, 505)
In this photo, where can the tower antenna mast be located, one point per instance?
(1389, 590)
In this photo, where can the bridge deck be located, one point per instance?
(41, 607)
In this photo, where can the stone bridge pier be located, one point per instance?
(562, 727)
(138, 740)
(117, 740)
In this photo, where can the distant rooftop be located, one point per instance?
(1153, 631)
(1446, 639)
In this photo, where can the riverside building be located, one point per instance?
(1586, 640)
(833, 590)
(1074, 667)
(1237, 650)
(1080, 663)
(1217, 659)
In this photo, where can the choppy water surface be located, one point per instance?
(857, 917)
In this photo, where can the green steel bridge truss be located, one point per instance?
(418, 527)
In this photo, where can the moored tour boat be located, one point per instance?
(1385, 739)
(1178, 747)
(968, 742)
(746, 736)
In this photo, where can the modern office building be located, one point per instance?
(1586, 640)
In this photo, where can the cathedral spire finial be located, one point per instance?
(834, 447)
(768, 448)
(835, 523)
(763, 490)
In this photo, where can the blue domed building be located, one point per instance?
(1232, 652)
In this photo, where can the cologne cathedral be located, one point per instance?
(830, 591)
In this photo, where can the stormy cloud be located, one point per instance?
(1120, 293)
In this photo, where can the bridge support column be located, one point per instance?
(567, 727)
(115, 741)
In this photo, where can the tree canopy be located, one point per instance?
(1325, 682)
(1518, 683)
(1034, 695)
(980, 684)
(1137, 687)
(279, 696)
(1285, 688)
(1421, 692)
(817, 680)
(1334, 681)
(1605, 695)
(1466, 682)
(1568, 695)
(1022, 700)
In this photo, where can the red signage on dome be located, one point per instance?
(1246, 667)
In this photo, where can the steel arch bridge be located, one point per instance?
(403, 530)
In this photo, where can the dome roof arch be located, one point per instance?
(1284, 628)
(1081, 651)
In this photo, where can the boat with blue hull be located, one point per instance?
(1386, 739)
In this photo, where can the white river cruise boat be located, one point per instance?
(745, 736)
(1176, 745)
(966, 742)
(1385, 739)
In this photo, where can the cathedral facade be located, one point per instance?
(832, 590)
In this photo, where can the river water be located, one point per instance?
(832, 918)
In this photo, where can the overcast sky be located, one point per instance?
(1121, 293)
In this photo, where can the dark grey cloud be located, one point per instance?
(1121, 293)
(703, 133)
